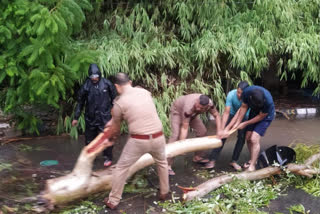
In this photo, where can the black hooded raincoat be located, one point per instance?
(97, 98)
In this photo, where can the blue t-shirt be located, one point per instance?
(268, 105)
(234, 103)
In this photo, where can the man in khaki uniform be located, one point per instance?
(135, 105)
(184, 113)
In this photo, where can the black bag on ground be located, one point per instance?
(274, 154)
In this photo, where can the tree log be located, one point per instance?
(82, 181)
(203, 189)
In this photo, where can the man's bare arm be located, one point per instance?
(184, 130)
(113, 127)
(225, 116)
(217, 117)
(256, 119)
(238, 117)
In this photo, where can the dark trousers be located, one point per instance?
(91, 133)
(214, 155)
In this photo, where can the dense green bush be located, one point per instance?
(171, 47)
(37, 56)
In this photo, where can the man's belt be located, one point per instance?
(147, 137)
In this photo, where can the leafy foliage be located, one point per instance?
(303, 151)
(171, 47)
(74, 130)
(83, 207)
(179, 47)
(236, 197)
(5, 166)
(299, 208)
(311, 186)
(138, 184)
(36, 56)
(248, 196)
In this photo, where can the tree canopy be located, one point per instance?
(171, 47)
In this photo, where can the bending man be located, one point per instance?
(135, 105)
(184, 113)
(233, 103)
(261, 105)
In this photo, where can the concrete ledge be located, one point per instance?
(299, 112)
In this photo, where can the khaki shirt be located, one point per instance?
(184, 105)
(136, 106)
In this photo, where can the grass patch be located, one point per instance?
(298, 209)
(139, 183)
(5, 166)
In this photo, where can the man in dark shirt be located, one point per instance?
(97, 94)
(262, 110)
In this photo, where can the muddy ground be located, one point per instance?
(22, 176)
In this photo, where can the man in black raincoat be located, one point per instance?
(97, 94)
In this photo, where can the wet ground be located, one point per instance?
(22, 176)
(294, 197)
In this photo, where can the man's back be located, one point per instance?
(186, 102)
(139, 111)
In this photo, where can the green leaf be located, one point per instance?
(11, 71)
(2, 62)
(43, 88)
(6, 32)
(2, 76)
(33, 57)
(41, 28)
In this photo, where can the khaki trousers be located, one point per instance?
(176, 122)
(132, 151)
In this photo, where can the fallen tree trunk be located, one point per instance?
(203, 189)
(82, 181)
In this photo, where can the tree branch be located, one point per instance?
(212, 184)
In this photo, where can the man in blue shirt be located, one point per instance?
(261, 105)
(233, 103)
